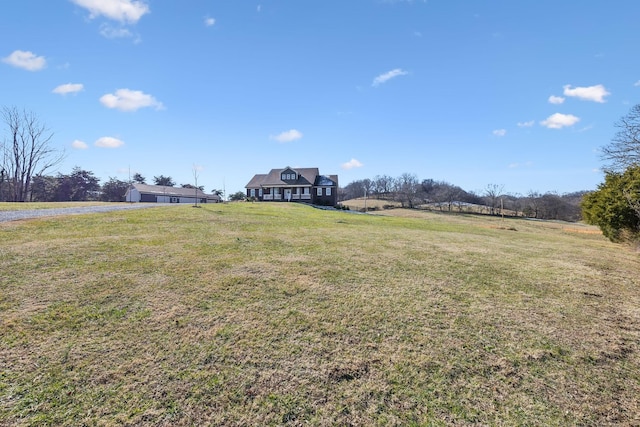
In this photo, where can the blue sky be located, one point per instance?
(515, 93)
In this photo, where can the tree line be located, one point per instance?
(412, 192)
(27, 154)
(80, 185)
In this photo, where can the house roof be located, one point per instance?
(306, 177)
(172, 191)
(256, 181)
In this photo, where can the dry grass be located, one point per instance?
(279, 314)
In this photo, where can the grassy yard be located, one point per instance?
(280, 314)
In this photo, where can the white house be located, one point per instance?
(163, 194)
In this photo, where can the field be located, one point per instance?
(281, 314)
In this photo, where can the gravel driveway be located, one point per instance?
(37, 213)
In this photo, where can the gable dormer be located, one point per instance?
(288, 175)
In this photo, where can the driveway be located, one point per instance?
(38, 213)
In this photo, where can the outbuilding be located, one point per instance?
(163, 194)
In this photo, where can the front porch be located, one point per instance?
(286, 194)
(281, 197)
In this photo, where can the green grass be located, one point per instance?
(280, 314)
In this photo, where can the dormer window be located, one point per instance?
(288, 176)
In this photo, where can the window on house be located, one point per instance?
(305, 190)
(276, 191)
(260, 192)
(319, 191)
(328, 191)
(253, 192)
(283, 177)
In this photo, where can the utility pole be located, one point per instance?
(365, 200)
(195, 177)
(1, 183)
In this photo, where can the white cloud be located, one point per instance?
(556, 99)
(528, 124)
(259, 8)
(25, 59)
(500, 132)
(110, 32)
(288, 136)
(69, 88)
(109, 142)
(129, 100)
(209, 22)
(558, 121)
(351, 164)
(125, 11)
(383, 78)
(637, 83)
(79, 145)
(591, 93)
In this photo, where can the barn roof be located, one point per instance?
(161, 190)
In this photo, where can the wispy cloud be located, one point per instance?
(558, 121)
(556, 99)
(351, 164)
(68, 88)
(500, 132)
(124, 11)
(111, 32)
(79, 145)
(287, 136)
(637, 83)
(109, 142)
(517, 165)
(130, 100)
(25, 60)
(209, 22)
(528, 124)
(383, 78)
(590, 93)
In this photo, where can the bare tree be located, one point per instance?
(382, 186)
(493, 192)
(196, 175)
(407, 189)
(624, 149)
(632, 200)
(28, 151)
